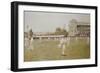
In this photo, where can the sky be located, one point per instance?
(49, 21)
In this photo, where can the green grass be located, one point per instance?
(48, 50)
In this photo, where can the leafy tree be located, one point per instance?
(64, 32)
(60, 31)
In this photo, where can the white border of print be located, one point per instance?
(22, 64)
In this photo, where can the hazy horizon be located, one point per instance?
(49, 21)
